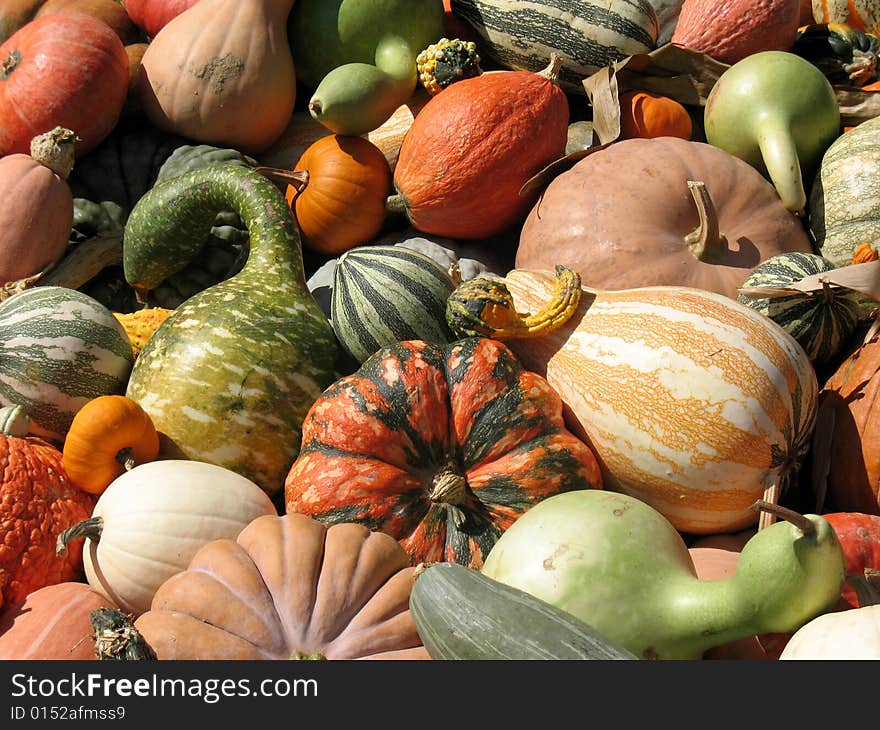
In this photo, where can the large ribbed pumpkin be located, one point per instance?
(844, 209)
(664, 211)
(471, 149)
(63, 69)
(693, 402)
(850, 405)
(442, 447)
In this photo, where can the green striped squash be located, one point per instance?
(462, 614)
(844, 209)
(386, 294)
(588, 35)
(59, 349)
(230, 374)
(821, 322)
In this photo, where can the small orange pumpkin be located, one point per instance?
(108, 436)
(643, 114)
(343, 202)
(865, 253)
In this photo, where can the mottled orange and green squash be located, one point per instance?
(441, 447)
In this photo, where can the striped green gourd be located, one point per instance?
(821, 321)
(587, 34)
(462, 614)
(59, 348)
(386, 294)
(229, 376)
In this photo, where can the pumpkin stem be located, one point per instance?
(125, 456)
(553, 68)
(866, 586)
(706, 241)
(396, 204)
(449, 485)
(55, 150)
(805, 525)
(296, 179)
(116, 638)
(483, 307)
(91, 528)
(307, 656)
(10, 63)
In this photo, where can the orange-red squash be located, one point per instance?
(152, 15)
(471, 149)
(51, 623)
(440, 447)
(643, 114)
(64, 69)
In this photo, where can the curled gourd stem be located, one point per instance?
(867, 588)
(706, 241)
(804, 524)
(484, 307)
(296, 179)
(91, 528)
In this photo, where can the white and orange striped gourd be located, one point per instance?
(694, 403)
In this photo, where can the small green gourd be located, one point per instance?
(620, 566)
(230, 375)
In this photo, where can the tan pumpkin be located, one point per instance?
(288, 588)
(109, 435)
(694, 403)
(51, 623)
(665, 211)
(37, 209)
(343, 202)
(221, 72)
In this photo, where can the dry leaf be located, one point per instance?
(863, 278)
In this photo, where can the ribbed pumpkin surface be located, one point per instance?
(845, 197)
(821, 322)
(440, 447)
(693, 403)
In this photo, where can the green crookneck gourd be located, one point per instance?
(229, 376)
(359, 56)
(617, 564)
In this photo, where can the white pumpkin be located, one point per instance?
(148, 524)
(850, 634)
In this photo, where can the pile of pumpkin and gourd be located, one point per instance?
(518, 395)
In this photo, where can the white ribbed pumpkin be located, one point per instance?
(694, 403)
(155, 517)
(850, 634)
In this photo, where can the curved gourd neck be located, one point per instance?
(782, 161)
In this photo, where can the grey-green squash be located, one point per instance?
(588, 35)
(844, 204)
(822, 322)
(229, 376)
(461, 614)
(59, 349)
(384, 294)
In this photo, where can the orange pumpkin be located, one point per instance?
(865, 253)
(343, 202)
(51, 623)
(643, 114)
(108, 436)
(37, 502)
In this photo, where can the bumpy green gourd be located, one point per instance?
(229, 376)
(620, 566)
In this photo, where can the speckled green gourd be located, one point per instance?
(230, 375)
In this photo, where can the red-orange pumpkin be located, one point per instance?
(343, 202)
(643, 114)
(51, 623)
(16, 13)
(65, 69)
(859, 536)
(849, 404)
(37, 502)
(440, 447)
(471, 149)
(152, 15)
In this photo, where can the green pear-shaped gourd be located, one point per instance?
(779, 113)
(228, 377)
(616, 563)
(359, 56)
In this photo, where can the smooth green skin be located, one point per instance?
(779, 113)
(366, 49)
(620, 566)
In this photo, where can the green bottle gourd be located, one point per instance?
(617, 564)
(230, 375)
(779, 113)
